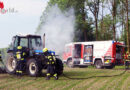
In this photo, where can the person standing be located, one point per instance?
(20, 58)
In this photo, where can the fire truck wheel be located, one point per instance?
(70, 64)
(59, 66)
(98, 64)
(11, 64)
(33, 68)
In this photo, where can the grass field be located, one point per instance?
(81, 79)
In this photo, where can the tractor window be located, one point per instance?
(35, 42)
(15, 42)
(24, 42)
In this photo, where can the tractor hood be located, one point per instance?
(41, 52)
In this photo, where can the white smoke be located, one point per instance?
(59, 28)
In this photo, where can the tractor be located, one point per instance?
(34, 61)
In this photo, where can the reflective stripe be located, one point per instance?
(48, 63)
(54, 58)
(20, 71)
(48, 74)
(50, 59)
(127, 60)
(24, 53)
(55, 75)
(18, 55)
(22, 58)
(53, 62)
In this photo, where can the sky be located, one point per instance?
(23, 16)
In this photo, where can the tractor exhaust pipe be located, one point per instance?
(44, 40)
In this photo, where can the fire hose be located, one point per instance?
(124, 71)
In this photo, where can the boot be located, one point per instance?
(56, 77)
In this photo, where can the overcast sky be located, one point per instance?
(25, 20)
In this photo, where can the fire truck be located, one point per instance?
(97, 53)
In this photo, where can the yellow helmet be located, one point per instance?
(45, 50)
(127, 52)
(19, 47)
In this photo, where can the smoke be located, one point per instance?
(59, 28)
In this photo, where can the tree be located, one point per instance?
(105, 28)
(83, 29)
(94, 8)
(127, 26)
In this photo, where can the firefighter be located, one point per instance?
(127, 60)
(51, 61)
(20, 57)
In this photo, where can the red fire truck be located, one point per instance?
(98, 53)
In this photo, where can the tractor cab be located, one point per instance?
(30, 43)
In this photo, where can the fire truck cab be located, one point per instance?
(98, 53)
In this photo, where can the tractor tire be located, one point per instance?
(59, 66)
(11, 64)
(98, 64)
(33, 68)
(70, 64)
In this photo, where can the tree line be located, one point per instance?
(97, 19)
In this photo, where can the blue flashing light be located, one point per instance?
(113, 42)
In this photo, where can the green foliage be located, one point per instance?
(106, 31)
(4, 53)
(83, 29)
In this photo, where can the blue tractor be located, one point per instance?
(34, 61)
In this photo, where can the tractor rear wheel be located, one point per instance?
(59, 66)
(11, 64)
(33, 68)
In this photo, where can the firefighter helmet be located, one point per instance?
(19, 47)
(45, 50)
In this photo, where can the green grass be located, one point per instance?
(81, 79)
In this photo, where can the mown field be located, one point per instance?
(79, 79)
